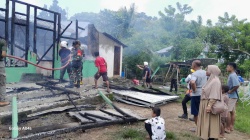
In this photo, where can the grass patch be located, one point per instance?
(170, 136)
(188, 136)
(130, 134)
(242, 122)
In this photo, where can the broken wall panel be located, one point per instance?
(144, 98)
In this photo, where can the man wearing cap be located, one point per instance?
(3, 47)
(146, 75)
(187, 97)
(64, 53)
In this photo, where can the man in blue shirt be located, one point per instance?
(64, 53)
(233, 84)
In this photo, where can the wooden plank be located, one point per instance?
(132, 101)
(133, 114)
(99, 113)
(44, 133)
(128, 102)
(79, 117)
(58, 109)
(50, 128)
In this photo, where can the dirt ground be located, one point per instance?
(169, 113)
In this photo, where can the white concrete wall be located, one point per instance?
(106, 50)
(121, 60)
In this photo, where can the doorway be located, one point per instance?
(117, 58)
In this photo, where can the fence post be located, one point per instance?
(14, 133)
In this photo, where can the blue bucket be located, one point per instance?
(123, 74)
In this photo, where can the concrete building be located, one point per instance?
(94, 41)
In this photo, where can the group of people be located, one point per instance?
(72, 62)
(205, 91)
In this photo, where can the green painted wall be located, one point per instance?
(13, 74)
(89, 70)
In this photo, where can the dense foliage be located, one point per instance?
(227, 40)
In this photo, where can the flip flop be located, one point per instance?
(109, 91)
(227, 131)
(192, 129)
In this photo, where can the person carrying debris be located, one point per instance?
(174, 78)
(64, 53)
(3, 47)
(101, 65)
(146, 75)
(156, 125)
(76, 64)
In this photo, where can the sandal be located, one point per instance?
(192, 129)
(227, 131)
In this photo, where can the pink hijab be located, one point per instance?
(212, 89)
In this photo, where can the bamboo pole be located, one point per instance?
(155, 72)
(14, 133)
(167, 74)
(107, 100)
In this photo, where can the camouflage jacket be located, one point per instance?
(77, 54)
(3, 47)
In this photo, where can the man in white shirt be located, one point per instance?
(156, 125)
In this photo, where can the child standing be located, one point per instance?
(156, 125)
(225, 97)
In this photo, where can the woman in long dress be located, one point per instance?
(208, 126)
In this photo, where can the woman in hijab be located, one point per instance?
(208, 126)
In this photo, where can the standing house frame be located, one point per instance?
(26, 48)
(36, 39)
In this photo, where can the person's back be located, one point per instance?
(200, 80)
(232, 82)
(156, 125)
(64, 53)
(146, 69)
(100, 62)
(158, 128)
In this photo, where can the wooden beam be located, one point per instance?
(241, 51)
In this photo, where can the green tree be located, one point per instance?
(185, 35)
(44, 14)
(55, 7)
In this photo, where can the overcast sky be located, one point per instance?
(208, 9)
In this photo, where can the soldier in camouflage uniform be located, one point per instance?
(76, 64)
(3, 48)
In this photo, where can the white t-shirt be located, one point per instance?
(158, 128)
(187, 80)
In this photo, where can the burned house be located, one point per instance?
(36, 39)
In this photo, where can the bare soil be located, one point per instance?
(170, 113)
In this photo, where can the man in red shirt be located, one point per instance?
(101, 65)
